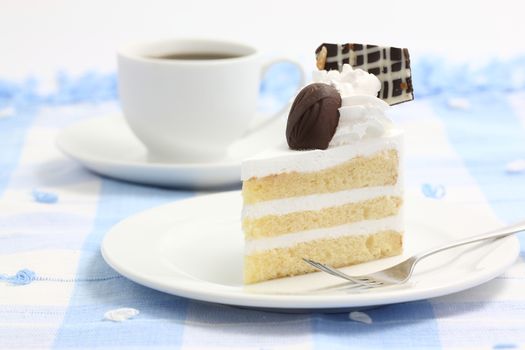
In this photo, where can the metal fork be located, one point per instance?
(402, 272)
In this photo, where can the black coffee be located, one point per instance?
(197, 56)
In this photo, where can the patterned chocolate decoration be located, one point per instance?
(390, 64)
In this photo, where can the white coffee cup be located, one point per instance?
(190, 107)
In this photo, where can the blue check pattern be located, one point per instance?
(55, 287)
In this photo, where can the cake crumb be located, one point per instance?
(458, 103)
(433, 191)
(359, 316)
(7, 112)
(516, 166)
(122, 314)
(44, 197)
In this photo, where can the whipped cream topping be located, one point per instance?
(362, 113)
(349, 82)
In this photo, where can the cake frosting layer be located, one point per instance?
(394, 223)
(283, 160)
(319, 201)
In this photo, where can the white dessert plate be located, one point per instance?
(107, 146)
(194, 248)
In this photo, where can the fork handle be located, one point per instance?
(499, 233)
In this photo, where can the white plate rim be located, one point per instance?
(193, 289)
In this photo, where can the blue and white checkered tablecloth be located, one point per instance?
(465, 143)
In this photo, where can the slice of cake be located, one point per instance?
(334, 192)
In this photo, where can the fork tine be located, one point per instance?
(324, 268)
(372, 281)
(340, 274)
(364, 281)
(319, 266)
(351, 287)
(332, 272)
(337, 273)
(344, 286)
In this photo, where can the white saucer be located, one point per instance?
(194, 248)
(108, 147)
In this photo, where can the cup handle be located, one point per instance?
(267, 120)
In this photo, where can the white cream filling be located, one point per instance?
(283, 160)
(318, 201)
(358, 228)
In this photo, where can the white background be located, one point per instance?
(39, 37)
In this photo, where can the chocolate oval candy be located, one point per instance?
(313, 117)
